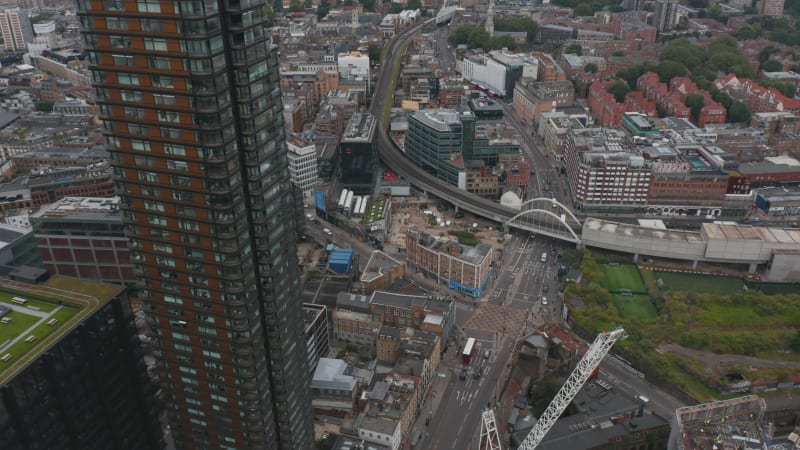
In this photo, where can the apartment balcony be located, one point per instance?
(240, 325)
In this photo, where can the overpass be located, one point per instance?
(445, 14)
(546, 220)
(540, 221)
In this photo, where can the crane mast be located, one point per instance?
(596, 352)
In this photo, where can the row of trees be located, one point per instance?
(588, 8)
(775, 29)
(475, 36)
(518, 24)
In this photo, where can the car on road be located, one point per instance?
(309, 217)
(487, 354)
(544, 301)
(327, 231)
(545, 287)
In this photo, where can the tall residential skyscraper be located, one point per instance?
(189, 96)
(15, 26)
(666, 15)
(772, 7)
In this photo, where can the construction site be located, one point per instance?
(725, 425)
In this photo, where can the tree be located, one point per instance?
(503, 42)
(413, 5)
(574, 49)
(590, 68)
(618, 53)
(695, 102)
(323, 9)
(296, 7)
(479, 38)
(518, 24)
(746, 32)
(786, 88)
(461, 35)
(369, 5)
(722, 98)
(584, 9)
(45, 106)
(771, 65)
(738, 112)
(619, 89)
(796, 342)
(668, 70)
(375, 53)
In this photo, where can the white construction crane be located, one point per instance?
(490, 439)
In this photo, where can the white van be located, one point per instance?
(327, 231)
(643, 399)
(544, 256)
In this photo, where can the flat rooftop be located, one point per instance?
(624, 229)
(40, 315)
(440, 119)
(81, 208)
(360, 128)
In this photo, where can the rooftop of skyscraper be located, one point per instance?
(35, 317)
(440, 119)
(360, 128)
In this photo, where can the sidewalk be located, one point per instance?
(430, 405)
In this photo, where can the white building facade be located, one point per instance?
(354, 66)
(603, 172)
(302, 158)
(486, 73)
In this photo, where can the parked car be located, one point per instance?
(544, 301)
(327, 231)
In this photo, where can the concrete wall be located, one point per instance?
(785, 266)
(642, 241)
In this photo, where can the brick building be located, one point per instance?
(603, 105)
(463, 268)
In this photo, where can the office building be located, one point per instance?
(357, 153)
(302, 163)
(15, 26)
(84, 237)
(605, 172)
(190, 101)
(72, 374)
(315, 320)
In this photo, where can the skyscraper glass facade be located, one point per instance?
(189, 97)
